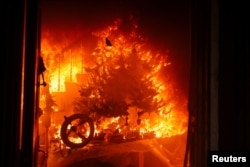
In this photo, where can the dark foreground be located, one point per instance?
(156, 152)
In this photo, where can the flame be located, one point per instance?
(70, 56)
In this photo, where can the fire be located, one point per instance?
(70, 56)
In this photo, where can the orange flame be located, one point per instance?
(68, 57)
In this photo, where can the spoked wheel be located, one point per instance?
(77, 130)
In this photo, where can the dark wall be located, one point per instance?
(11, 59)
(19, 83)
(199, 93)
(234, 76)
(231, 53)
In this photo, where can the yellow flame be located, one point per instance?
(63, 65)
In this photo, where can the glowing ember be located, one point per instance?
(70, 56)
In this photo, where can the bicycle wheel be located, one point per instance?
(77, 130)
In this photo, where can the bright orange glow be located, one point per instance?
(70, 56)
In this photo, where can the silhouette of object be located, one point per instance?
(41, 66)
(108, 43)
(41, 69)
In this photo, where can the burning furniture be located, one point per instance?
(118, 92)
